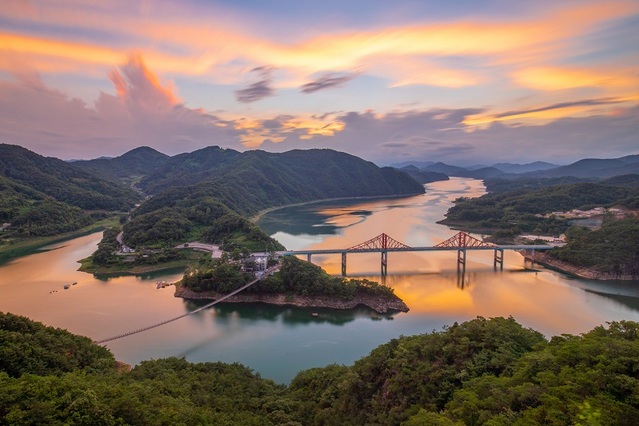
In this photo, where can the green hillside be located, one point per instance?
(222, 187)
(293, 176)
(515, 211)
(481, 372)
(42, 196)
(137, 162)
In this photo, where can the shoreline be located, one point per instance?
(257, 216)
(568, 268)
(26, 247)
(379, 304)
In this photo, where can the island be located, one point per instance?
(296, 283)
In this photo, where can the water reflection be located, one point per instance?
(279, 341)
(286, 315)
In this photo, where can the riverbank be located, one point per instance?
(24, 247)
(86, 265)
(261, 213)
(380, 304)
(579, 271)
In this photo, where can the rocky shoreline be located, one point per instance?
(380, 304)
(579, 271)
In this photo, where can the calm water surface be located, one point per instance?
(279, 342)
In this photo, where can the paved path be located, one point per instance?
(214, 249)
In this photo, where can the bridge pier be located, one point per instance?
(499, 259)
(308, 258)
(461, 260)
(384, 263)
(343, 263)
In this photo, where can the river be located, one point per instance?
(278, 342)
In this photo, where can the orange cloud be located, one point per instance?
(183, 41)
(545, 114)
(138, 87)
(61, 50)
(555, 78)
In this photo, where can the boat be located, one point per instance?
(66, 286)
(74, 283)
(315, 314)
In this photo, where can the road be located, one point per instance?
(214, 249)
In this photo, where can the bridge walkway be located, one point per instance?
(268, 272)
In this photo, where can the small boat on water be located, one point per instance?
(161, 284)
(74, 283)
(315, 314)
(66, 286)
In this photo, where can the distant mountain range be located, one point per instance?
(45, 196)
(582, 169)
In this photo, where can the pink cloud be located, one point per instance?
(142, 112)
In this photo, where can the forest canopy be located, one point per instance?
(480, 372)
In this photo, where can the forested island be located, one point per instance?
(297, 283)
(484, 371)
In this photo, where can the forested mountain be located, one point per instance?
(298, 175)
(203, 194)
(42, 196)
(484, 371)
(423, 176)
(582, 169)
(524, 168)
(63, 181)
(228, 184)
(137, 162)
(594, 168)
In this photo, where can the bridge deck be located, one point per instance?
(410, 249)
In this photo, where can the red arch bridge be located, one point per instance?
(460, 242)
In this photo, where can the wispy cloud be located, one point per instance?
(258, 90)
(477, 78)
(183, 41)
(549, 112)
(327, 81)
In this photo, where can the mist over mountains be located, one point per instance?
(590, 168)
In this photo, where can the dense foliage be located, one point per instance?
(33, 213)
(63, 181)
(45, 196)
(485, 371)
(519, 211)
(613, 248)
(295, 277)
(204, 195)
(270, 179)
(194, 216)
(29, 347)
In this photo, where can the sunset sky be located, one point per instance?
(464, 82)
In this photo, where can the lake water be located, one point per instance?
(278, 342)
